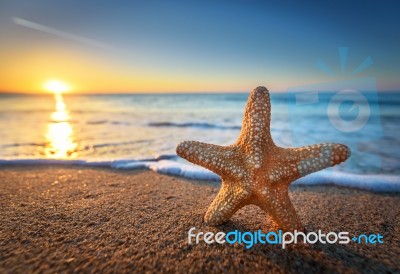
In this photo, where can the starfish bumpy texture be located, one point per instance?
(256, 171)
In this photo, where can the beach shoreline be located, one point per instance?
(76, 218)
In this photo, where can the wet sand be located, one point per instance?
(74, 219)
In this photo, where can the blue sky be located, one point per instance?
(195, 46)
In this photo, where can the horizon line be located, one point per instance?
(165, 92)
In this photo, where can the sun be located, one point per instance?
(56, 86)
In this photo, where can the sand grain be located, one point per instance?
(57, 219)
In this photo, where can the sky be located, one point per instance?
(194, 46)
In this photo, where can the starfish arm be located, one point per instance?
(230, 199)
(280, 209)
(299, 162)
(255, 135)
(212, 157)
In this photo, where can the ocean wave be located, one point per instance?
(22, 145)
(371, 182)
(168, 164)
(116, 144)
(192, 124)
(100, 122)
(96, 122)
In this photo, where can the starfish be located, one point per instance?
(254, 170)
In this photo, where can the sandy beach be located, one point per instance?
(74, 219)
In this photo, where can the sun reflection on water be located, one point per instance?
(59, 136)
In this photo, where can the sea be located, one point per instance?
(135, 131)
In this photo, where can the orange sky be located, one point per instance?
(187, 47)
(26, 71)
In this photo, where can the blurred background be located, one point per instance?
(120, 83)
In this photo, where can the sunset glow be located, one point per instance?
(56, 87)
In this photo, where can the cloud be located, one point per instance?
(59, 33)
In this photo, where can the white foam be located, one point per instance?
(172, 168)
(371, 182)
(161, 166)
